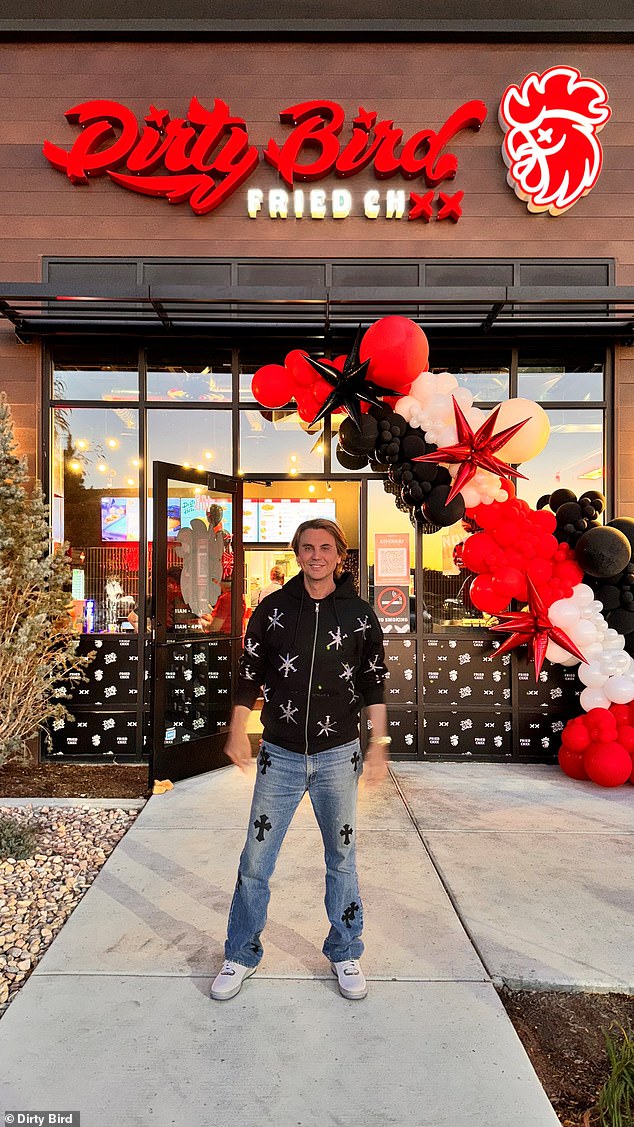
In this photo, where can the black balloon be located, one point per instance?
(603, 551)
(560, 497)
(350, 461)
(624, 525)
(436, 509)
(609, 596)
(413, 445)
(621, 620)
(597, 500)
(359, 441)
(543, 501)
(568, 513)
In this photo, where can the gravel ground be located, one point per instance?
(37, 895)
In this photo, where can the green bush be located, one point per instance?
(615, 1105)
(16, 840)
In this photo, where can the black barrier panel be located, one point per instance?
(197, 690)
(539, 735)
(402, 727)
(463, 672)
(557, 687)
(95, 735)
(400, 660)
(112, 674)
(485, 735)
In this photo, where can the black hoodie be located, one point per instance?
(318, 662)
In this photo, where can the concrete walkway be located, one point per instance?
(470, 874)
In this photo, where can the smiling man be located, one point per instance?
(316, 651)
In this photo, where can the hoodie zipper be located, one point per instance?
(310, 679)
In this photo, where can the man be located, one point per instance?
(277, 581)
(316, 649)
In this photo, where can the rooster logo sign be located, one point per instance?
(551, 147)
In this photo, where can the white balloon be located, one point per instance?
(619, 690)
(613, 640)
(593, 698)
(446, 383)
(583, 594)
(558, 654)
(593, 652)
(564, 613)
(463, 397)
(406, 406)
(592, 675)
(584, 632)
(621, 662)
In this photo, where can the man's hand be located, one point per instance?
(375, 764)
(238, 748)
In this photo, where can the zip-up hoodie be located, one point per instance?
(317, 661)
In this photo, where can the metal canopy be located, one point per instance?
(40, 310)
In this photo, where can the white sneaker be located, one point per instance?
(351, 980)
(228, 982)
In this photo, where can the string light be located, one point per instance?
(102, 467)
(311, 488)
(112, 443)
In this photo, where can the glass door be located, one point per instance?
(198, 611)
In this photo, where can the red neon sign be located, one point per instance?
(551, 147)
(205, 156)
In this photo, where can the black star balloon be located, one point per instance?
(348, 386)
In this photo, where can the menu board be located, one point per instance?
(278, 519)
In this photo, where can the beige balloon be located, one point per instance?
(533, 436)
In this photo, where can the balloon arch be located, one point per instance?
(445, 460)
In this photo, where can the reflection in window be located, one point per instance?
(193, 439)
(275, 441)
(564, 381)
(445, 581)
(488, 383)
(95, 381)
(385, 519)
(95, 507)
(573, 457)
(205, 380)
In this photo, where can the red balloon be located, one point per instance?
(488, 595)
(272, 386)
(302, 373)
(571, 764)
(626, 737)
(608, 764)
(307, 406)
(513, 579)
(621, 713)
(477, 552)
(398, 352)
(544, 519)
(575, 736)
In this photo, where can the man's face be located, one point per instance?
(317, 554)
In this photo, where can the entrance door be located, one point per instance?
(197, 617)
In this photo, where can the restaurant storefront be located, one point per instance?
(207, 206)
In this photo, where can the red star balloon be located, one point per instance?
(474, 450)
(534, 629)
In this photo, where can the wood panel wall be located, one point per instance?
(416, 85)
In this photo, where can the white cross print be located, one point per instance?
(337, 638)
(374, 664)
(348, 671)
(248, 674)
(363, 627)
(265, 693)
(287, 664)
(252, 647)
(287, 712)
(326, 726)
(275, 619)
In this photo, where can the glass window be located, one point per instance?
(112, 375)
(274, 442)
(197, 439)
(487, 377)
(95, 507)
(560, 380)
(573, 457)
(391, 558)
(191, 379)
(445, 582)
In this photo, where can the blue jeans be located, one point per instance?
(282, 779)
